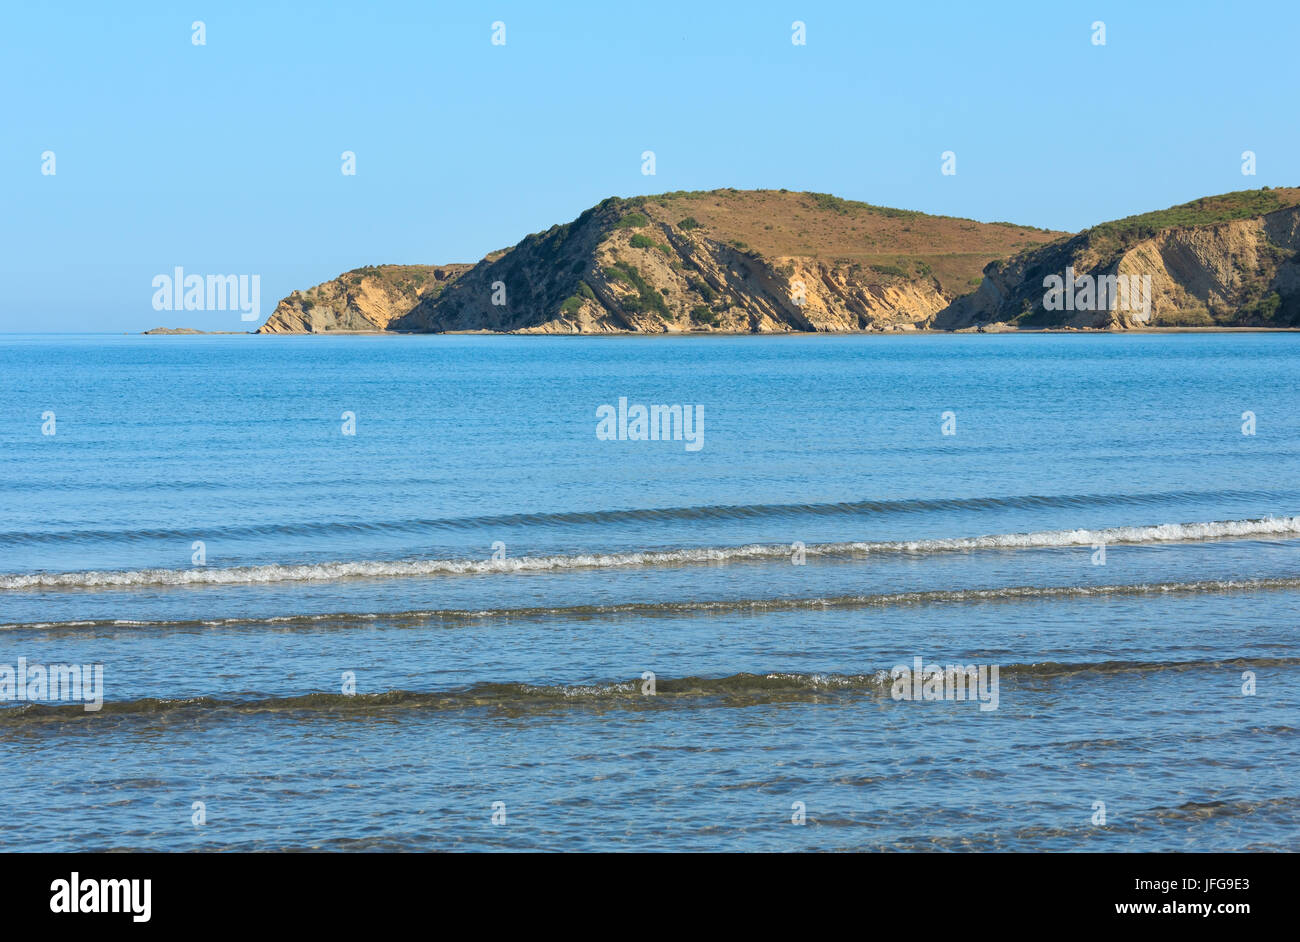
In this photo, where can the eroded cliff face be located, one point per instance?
(769, 261)
(641, 266)
(364, 299)
(1234, 273)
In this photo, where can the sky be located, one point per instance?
(226, 157)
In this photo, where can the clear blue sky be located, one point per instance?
(225, 158)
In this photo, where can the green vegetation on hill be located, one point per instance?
(1206, 211)
(1214, 261)
(633, 221)
(843, 207)
(648, 299)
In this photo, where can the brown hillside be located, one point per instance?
(786, 224)
(726, 260)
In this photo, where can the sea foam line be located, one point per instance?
(332, 571)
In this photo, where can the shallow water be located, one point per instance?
(826, 531)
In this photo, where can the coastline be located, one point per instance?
(736, 333)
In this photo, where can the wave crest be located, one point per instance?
(743, 689)
(333, 571)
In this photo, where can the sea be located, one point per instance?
(1028, 592)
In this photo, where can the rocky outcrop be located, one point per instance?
(1228, 261)
(364, 299)
(187, 331)
(648, 265)
(766, 261)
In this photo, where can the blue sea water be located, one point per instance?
(1113, 523)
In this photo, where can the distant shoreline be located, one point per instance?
(184, 332)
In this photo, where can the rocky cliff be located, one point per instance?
(725, 260)
(1230, 261)
(773, 260)
(364, 299)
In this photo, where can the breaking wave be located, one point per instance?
(1286, 527)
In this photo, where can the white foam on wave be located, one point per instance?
(332, 571)
(704, 606)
